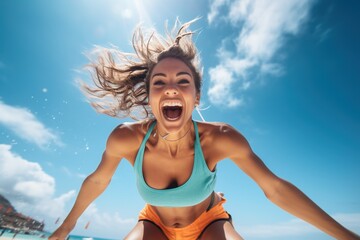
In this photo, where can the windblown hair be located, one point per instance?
(121, 80)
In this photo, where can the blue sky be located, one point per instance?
(284, 73)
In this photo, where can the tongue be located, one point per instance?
(173, 112)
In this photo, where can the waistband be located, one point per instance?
(191, 231)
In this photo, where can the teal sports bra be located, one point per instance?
(196, 189)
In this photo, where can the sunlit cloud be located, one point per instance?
(296, 227)
(26, 126)
(103, 223)
(220, 92)
(29, 188)
(215, 9)
(262, 29)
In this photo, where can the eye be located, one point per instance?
(183, 82)
(158, 83)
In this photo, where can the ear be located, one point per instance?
(197, 99)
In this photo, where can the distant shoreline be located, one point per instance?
(21, 236)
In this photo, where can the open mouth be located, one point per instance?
(172, 111)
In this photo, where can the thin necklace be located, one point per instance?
(171, 140)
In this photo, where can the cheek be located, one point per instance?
(153, 95)
(152, 100)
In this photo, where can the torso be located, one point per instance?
(178, 165)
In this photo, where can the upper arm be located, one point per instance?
(240, 152)
(118, 146)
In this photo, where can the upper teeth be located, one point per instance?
(172, 104)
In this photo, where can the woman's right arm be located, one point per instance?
(96, 183)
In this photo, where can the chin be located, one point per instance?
(173, 125)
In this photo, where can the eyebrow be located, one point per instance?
(178, 74)
(183, 73)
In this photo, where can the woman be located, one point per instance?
(175, 157)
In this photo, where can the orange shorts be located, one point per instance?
(192, 231)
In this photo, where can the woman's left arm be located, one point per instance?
(282, 193)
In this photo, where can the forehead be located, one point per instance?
(171, 66)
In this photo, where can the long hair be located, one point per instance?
(121, 80)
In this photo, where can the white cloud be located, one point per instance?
(262, 30)
(31, 191)
(214, 9)
(266, 23)
(222, 78)
(239, 10)
(28, 187)
(296, 227)
(106, 225)
(272, 69)
(26, 126)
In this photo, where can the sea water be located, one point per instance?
(21, 236)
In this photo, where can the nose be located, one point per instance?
(171, 90)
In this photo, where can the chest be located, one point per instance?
(163, 171)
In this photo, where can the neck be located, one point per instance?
(170, 138)
(175, 141)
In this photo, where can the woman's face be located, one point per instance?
(172, 94)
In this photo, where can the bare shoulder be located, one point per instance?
(126, 138)
(219, 134)
(218, 130)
